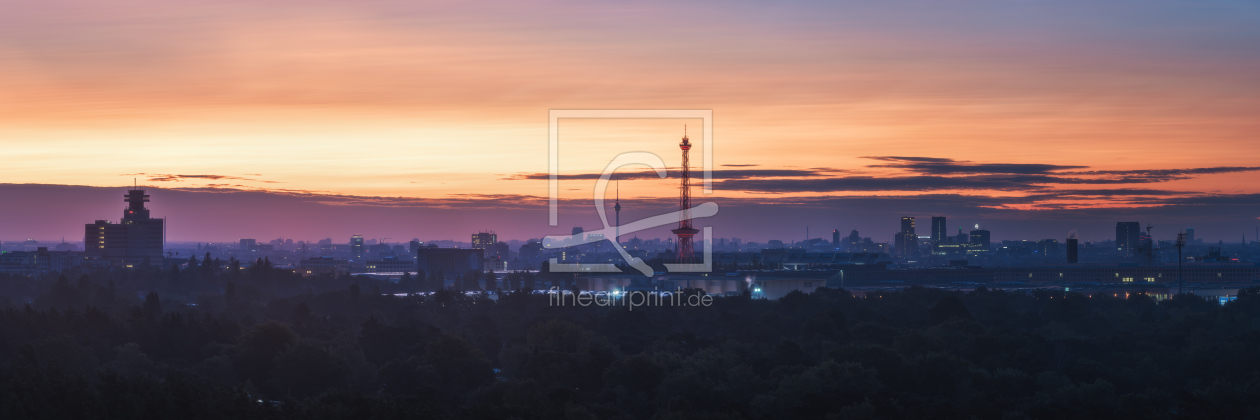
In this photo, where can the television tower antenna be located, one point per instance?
(617, 208)
(686, 252)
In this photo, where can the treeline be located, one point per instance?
(263, 343)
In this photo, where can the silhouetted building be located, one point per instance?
(1127, 238)
(448, 262)
(1048, 248)
(939, 233)
(961, 237)
(1072, 246)
(356, 246)
(835, 238)
(854, 241)
(248, 244)
(322, 265)
(389, 265)
(906, 242)
(979, 239)
(499, 250)
(1190, 236)
(531, 249)
(133, 240)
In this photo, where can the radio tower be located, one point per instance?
(617, 208)
(686, 254)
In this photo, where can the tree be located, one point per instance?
(949, 307)
(253, 358)
(301, 312)
(514, 280)
(306, 370)
(491, 281)
(208, 266)
(530, 280)
(152, 305)
(461, 366)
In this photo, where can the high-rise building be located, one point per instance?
(1190, 235)
(248, 244)
(1072, 250)
(906, 242)
(855, 241)
(939, 233)
(1127, 238)
(484, 239)
(835, 238)
(136, 238)
(979, 238)
(1048, 248)
(356, 246)
(414, 245)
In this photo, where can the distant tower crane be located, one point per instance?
(686, 252)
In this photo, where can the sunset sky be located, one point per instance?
(409, 119)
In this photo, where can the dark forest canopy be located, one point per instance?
(263, 343)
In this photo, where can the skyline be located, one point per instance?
(1062, 115)
(232, 215)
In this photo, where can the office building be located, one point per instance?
(356, 246)
(906, 242)
(939, 233)
(1127, 238)
(1048, 248)
(322, 265)
(448, 262)
(484, 239)
(1072, 255)
(855, 241)
(531, 250)
(980, 240)
(136, 239)
(389, 265)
